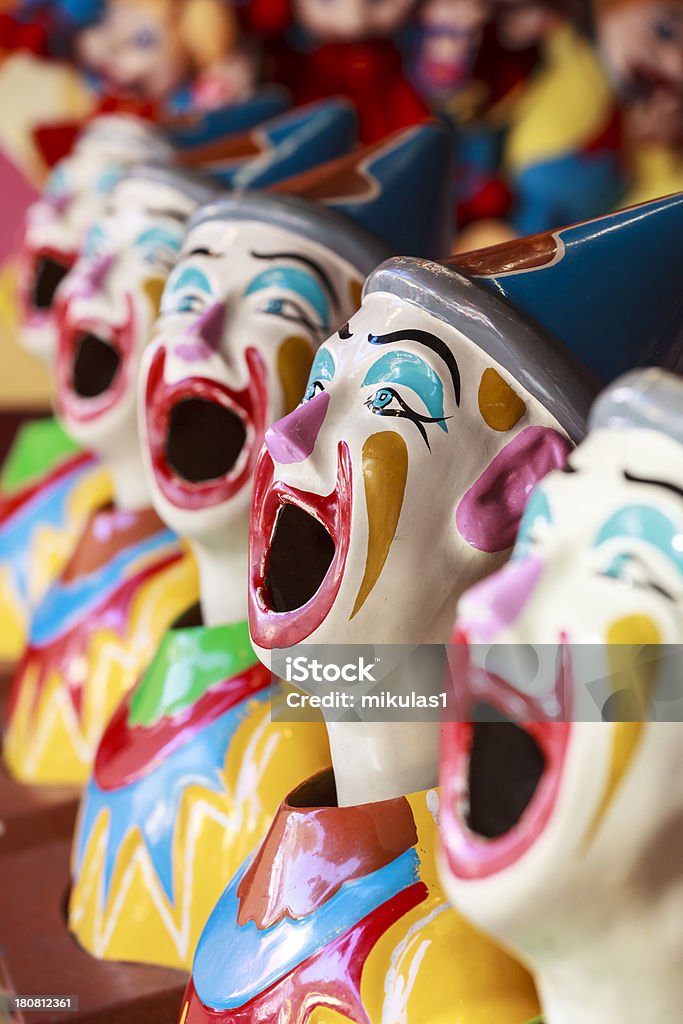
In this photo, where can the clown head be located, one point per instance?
(564, 838)
(150, 48)
(400, 478)
(106, 308)
(74, 197)
(641, 42)
(259, 284)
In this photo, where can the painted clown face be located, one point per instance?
(576, 823)
(242, 316)
(368, 516)
(74, 198)
(107, 307)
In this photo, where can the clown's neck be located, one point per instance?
(130, 489)
(382, 760)
(223, 577)
(629, 975)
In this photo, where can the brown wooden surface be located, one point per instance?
(38, 956)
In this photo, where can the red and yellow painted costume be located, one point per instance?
(340, 917)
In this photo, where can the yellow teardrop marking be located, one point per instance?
(385, 470)
(294, 361)
(500, 407)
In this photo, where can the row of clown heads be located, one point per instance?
(271, 430)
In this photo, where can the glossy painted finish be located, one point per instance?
(400, 378)
(596, 565)
(288, 144)
(262, 279)
(39, 526)
(339, 915)
(187, 778)
(91, 636)
(199, 128)
(632, 318)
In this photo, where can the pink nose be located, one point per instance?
(209, 326)
(96, 273)
(292, 439)
(498, 601)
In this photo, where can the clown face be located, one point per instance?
(367, 519)
(582, 824)
(643, 44)
(107, 306)
(74, 198)
(242, 316)
(138, 48)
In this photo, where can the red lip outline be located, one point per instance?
(28, 259)
(121, 338)
(470, 856)
(250, 405)
(270, 629)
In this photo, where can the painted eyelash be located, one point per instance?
(405, 412)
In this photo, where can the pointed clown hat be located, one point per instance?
(562, 311)
(278, 148)
(393, 196)
(610, 289)
(205, 127)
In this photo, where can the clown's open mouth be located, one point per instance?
(301, 552)
(299, 542)
(96, 364)
(92, 363)
(505, 767)
(205, 439)
(48, 273)
(501, 772)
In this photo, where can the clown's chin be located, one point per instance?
(48, 275)
(96, 365)
(301, 553)
(204, 440)
(505, 768)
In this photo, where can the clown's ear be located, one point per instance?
(209, 31)
(489, 513)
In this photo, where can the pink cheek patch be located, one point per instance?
(488, 515)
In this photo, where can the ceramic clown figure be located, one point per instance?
(365, 530)
(574, 858)
(107, 306)
(128, 576)
(41, 520)
(49, 487)
(260, 282)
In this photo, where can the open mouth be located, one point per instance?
(95, 366)
(298, 545)
(49, 272)
(42, 274)
(501, 773)
(204, 437)
(92, 364)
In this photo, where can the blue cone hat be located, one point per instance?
(205, 127)
(610, 290)
(398, 189)
(288, 144)
(388, 197)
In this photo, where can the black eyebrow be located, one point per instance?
(173, 214)
(202, 252)
(311, 264)
(429, 341)
(632, 478)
